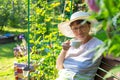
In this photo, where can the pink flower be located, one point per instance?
(93, 6)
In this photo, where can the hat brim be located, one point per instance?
(65, 28)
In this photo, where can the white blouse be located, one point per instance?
(82, 61)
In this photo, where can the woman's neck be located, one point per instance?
(86, 39)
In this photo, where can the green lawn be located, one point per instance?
(7, 61)
(6, 55)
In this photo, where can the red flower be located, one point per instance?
(93, 6)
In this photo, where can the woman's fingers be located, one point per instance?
(66, 45)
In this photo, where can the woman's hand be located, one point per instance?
(66, 45)
(61, 57)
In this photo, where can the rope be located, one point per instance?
(71, 8)
(63, 13)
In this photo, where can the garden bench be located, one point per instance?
(107, 64)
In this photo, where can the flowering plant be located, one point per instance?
(20, 50)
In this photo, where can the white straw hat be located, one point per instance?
(64, 27)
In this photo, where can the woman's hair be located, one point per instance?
(78, 22)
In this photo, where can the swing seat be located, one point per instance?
(107, 64)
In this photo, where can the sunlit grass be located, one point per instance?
(7, 58)
(7, 69)
(11, 29)
(7, 61)
(6, 50)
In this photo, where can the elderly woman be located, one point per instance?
(77, 63)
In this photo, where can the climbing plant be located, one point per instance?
(45, 39)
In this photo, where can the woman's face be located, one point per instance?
(81, 31)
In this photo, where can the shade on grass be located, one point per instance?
(6, 50)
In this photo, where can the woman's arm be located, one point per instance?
(61, 57)
(60, 60)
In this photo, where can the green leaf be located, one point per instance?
(113, 73)
(101, 49)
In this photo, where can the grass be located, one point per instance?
(6, 61)
(6, 55)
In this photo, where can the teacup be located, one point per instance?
(75, 43)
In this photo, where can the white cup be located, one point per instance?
(75, 43)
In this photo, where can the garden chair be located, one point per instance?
(107, 64)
